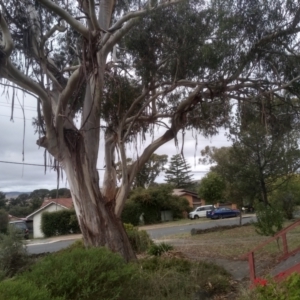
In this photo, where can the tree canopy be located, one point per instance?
(212, 188)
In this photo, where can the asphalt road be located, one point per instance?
(154, 233)
(48, 247)
(162, 232)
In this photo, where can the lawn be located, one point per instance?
(232, 244)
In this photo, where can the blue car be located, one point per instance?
(223, 212)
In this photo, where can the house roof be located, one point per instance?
(13, 218)
(62, 202)
(66, 202)
(182, 192)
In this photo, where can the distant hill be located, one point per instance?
(14, 194)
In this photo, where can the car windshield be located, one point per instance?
(19, 225)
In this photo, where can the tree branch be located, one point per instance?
(64, 98)
(66, 16)
(131, 18)
(51, 31)
(92, 13)
(7, 39)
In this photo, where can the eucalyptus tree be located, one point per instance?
(128, 66)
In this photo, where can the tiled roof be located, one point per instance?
(66, 202)
(181, 192)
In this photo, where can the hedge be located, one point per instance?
(59, 223)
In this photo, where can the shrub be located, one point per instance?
(174, 278)
(59, 223)
(94, 273)
(139, 239)
(269, 219)
(13, 254)
(159, 249)
(3, 221)
(24, 290)
(131, 213)
(270, 289)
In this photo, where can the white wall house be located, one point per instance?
(49, 205)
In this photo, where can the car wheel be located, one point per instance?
(196, 217)
(236, 214)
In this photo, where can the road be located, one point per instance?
(165, 231)
(48, 247)
(154, 234)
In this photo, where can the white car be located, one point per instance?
(200, 211)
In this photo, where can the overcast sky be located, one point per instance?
(24, 178)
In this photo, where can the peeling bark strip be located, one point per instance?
(59, 51)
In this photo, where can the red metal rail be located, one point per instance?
(285, 255)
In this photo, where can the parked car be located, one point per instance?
(223, 212)
(21, 227)
(200, 211)
(248, 209)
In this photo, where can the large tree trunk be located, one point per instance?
(99, 224)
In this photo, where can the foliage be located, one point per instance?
(264, 289)
(139, 239)
(269, 218)
(13, 253)
(179, 74)
(59, 223)
(22, 289)
(178, 174)
(3, 221)
(2, 201)
(148, 173)
(256, 161)
(287, 195)
(151, 202)
(60, 193)
(95, 273)
(212, 188)
(159, 249)
(206, 276)
(132, 212)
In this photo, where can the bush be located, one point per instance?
(151, 202)
(13, 254)
(94, 273)
(269, 219)
(3, 221)
(131, 213)
(139, 239)
(59, 223)
(159, 249)
(24, 290)
(174, 278)
(265, 289)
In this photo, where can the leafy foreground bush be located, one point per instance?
(174, 278)
(265, 289)
(24, 290)
(159, 249)
(96, 273)
(13, 253)
(139, 239)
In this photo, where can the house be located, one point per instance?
(49, 205)
(191, 197)
(13, 218)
